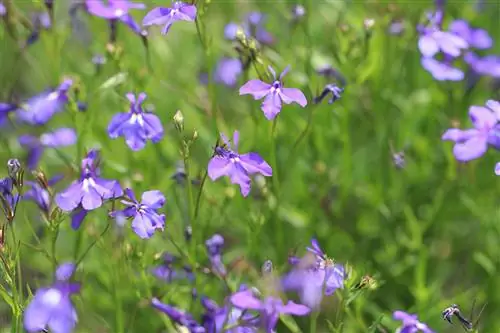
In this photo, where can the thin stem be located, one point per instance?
(93, 243)
(314, 321)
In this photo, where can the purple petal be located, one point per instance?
(239, 176)
(254, 163)
(119, 124)
(153, 127)
(245, 300)
(236, 140)
(458, 135)
(98, 8)
(218, 167)
(135, 137)
(65, 271)
(64, 318)
(157, 16)
(70, 198)
(59, 138)
(227, 71)
(480, 39)
(403, 316)
(295, 309)
(441, 71)
(77, 217)
(289, 95)
(470, 149)
(230, 30)
(481, 117)
(495, 107)
(153, 199)
(450, 43)
(34, 156)
(91, 199)
(188, 13)
(497, 169)
(256, 88)
(271, 106)
(131, 23)
(285, 72)
(428, 46)
(145, 225)
(28, 141)
(37, 313)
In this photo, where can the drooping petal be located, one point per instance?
(218, 167)
(135, 137)
(295, 309)
(254, 163)
(245, 300)
(77, 217)
(470, 149)
(458, 135)
(64, 317)
(290, 95)
(256, 88)
(239, 176)
(271, 106)
(153, 199)
(145, 225)
(157, 16)
(34, 156)
(70, 198)
(91, 199)
(481, 117)
(153, 127)
(37, 314)
(495, 107)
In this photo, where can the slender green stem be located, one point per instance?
(93, 243)
(314, 322)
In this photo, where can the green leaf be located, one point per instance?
(290, 324)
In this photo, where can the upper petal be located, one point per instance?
(256, 88)
(254, 163)
(218, 167)
(157, 16)
(70, 198)
(295, 309)
(289, 95)
(153, 199)
(118, 124)
(428, 46)
(188, 12)
(65, 271)
(59, 138)
(481, 117)
(246, 300)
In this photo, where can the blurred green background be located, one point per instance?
(429, 232)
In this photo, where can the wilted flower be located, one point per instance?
(115, 10)
(442, 70)
(8, 198)
(89, 191)
(137, 125)
(410, 323)
(61, 137)
(39, 109)
(269, 309)
(227, 162)
(476, 38)
(473, 143)
(40, 195)
(180, 11)
(51, 307)
(179, 317)
(214, 248)
(227, 71)
(330, 88)
(274, 94)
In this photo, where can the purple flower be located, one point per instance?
(252, 26)
(488, 65)
(137, 125)
(330, 89)
(39, 109)
(217, 319)
(9, 199)
(145, 216)
(115, 10)
(313, 277)
(214, 248)
(61, 137)
(274, 94)
(269, 308)
(442, 71)
(410, 323)
(298, 11)
(179, 317)
(51, 307)
(40, 195)
(473, 143)
(180, 11)
(238, 168)
(89, 191)
(228, 70)
(476, 38)
(5, 109)
(168, 273)
(433, 40)
(3, 10)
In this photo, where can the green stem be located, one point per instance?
(314, 322)
(78, 262)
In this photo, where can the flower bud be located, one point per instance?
(179, 121)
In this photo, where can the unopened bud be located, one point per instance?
(195, 135)
(267, 267)
(188, 233)
(41, 179)
(368, 23)
(179, 121)
(13, 167)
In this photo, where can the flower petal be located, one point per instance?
(218, 167)
(246, 300)
(289, 95)
(157, 16)
(153, 199)
(59, 138)
(256, 88)
(428, 46)
(254, 163)
(470, 149)
(481, 117)
(271, 106)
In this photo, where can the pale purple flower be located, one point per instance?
(410, 323)
(178, 316)
(228, 70)
(137, 125)
(269, 309)
(442, 71)
(274, 94)
(228, 162)
(61, 137)
(312, 280)
(168, 272)
(115, 10)
(476, 38)
(179, 11)
(218, 319)
(89, 191)
(298, 11)
(3, 10)
(473, 143)
(488, 65)
(39, 109)
(10, 199)
(252, 26)
(51, 307)
(214, 247)
(146, 219)
(39, 195)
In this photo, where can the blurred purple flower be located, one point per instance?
(218, 319)
(115, 10)
(39, 109)
(487, 66)
(274, 94)
(298, 11)
(321, 276)
(61, 137)
(396, 27)
(137, 125)
(252, 26)
(39, 195)
(238, 168)
(214, 247)
(476, 38)
(330, 89)
(9, 199)
(145, 216)
(410, 323)
(179, 317)
(168, 273)
(3, 10)
(442, 70)
(473, 143)
(227, 71)
(179, 11)
(89, 191)
(51, 307)
(269, 308)
(5, 109)
(433, 41)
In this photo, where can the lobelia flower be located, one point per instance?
(168, 273)
(3, 10)
(89, 191)
(40, 195)
(314, 276)
(330, 88)
(476, 38)
(179, 317)
(252, 26)
(227, 71)
(5, 109)
(61, 137)
(274, 94)
(214, 247)
(298, 11)
(146, 219)
(39, 109)
(410, 323)
(8, 199)
(442, 71)
(218, 319)
(115, 10)
(473, 143)
(51, 307)
(136, 126)
(488, 65)
(179, 11)
(228, 162)
(269, 309)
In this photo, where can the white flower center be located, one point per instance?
(87, 183)
(119, 12)
(136, 118)
(234, 159)
(53, 96)
(52, 297)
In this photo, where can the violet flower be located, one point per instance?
(252, 26)
(473, 143)
(61, 137)
(488, 65)
(39, 109)
(218, 319)
(312, 280)
(168, 273)
(115, 10)
(9, 199)
(179, 317)
(146, 219)
(136, 126)
(274, 94)
(410, 323)
(476, 38)
(442, 70)
(39, 195)
(228, 162)
(269, 308)
(89, 191)
(214, 247)
(227, 71)
(51, 307)
(179, 11)
(332, 89)
(5, 109)
(3, 10)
